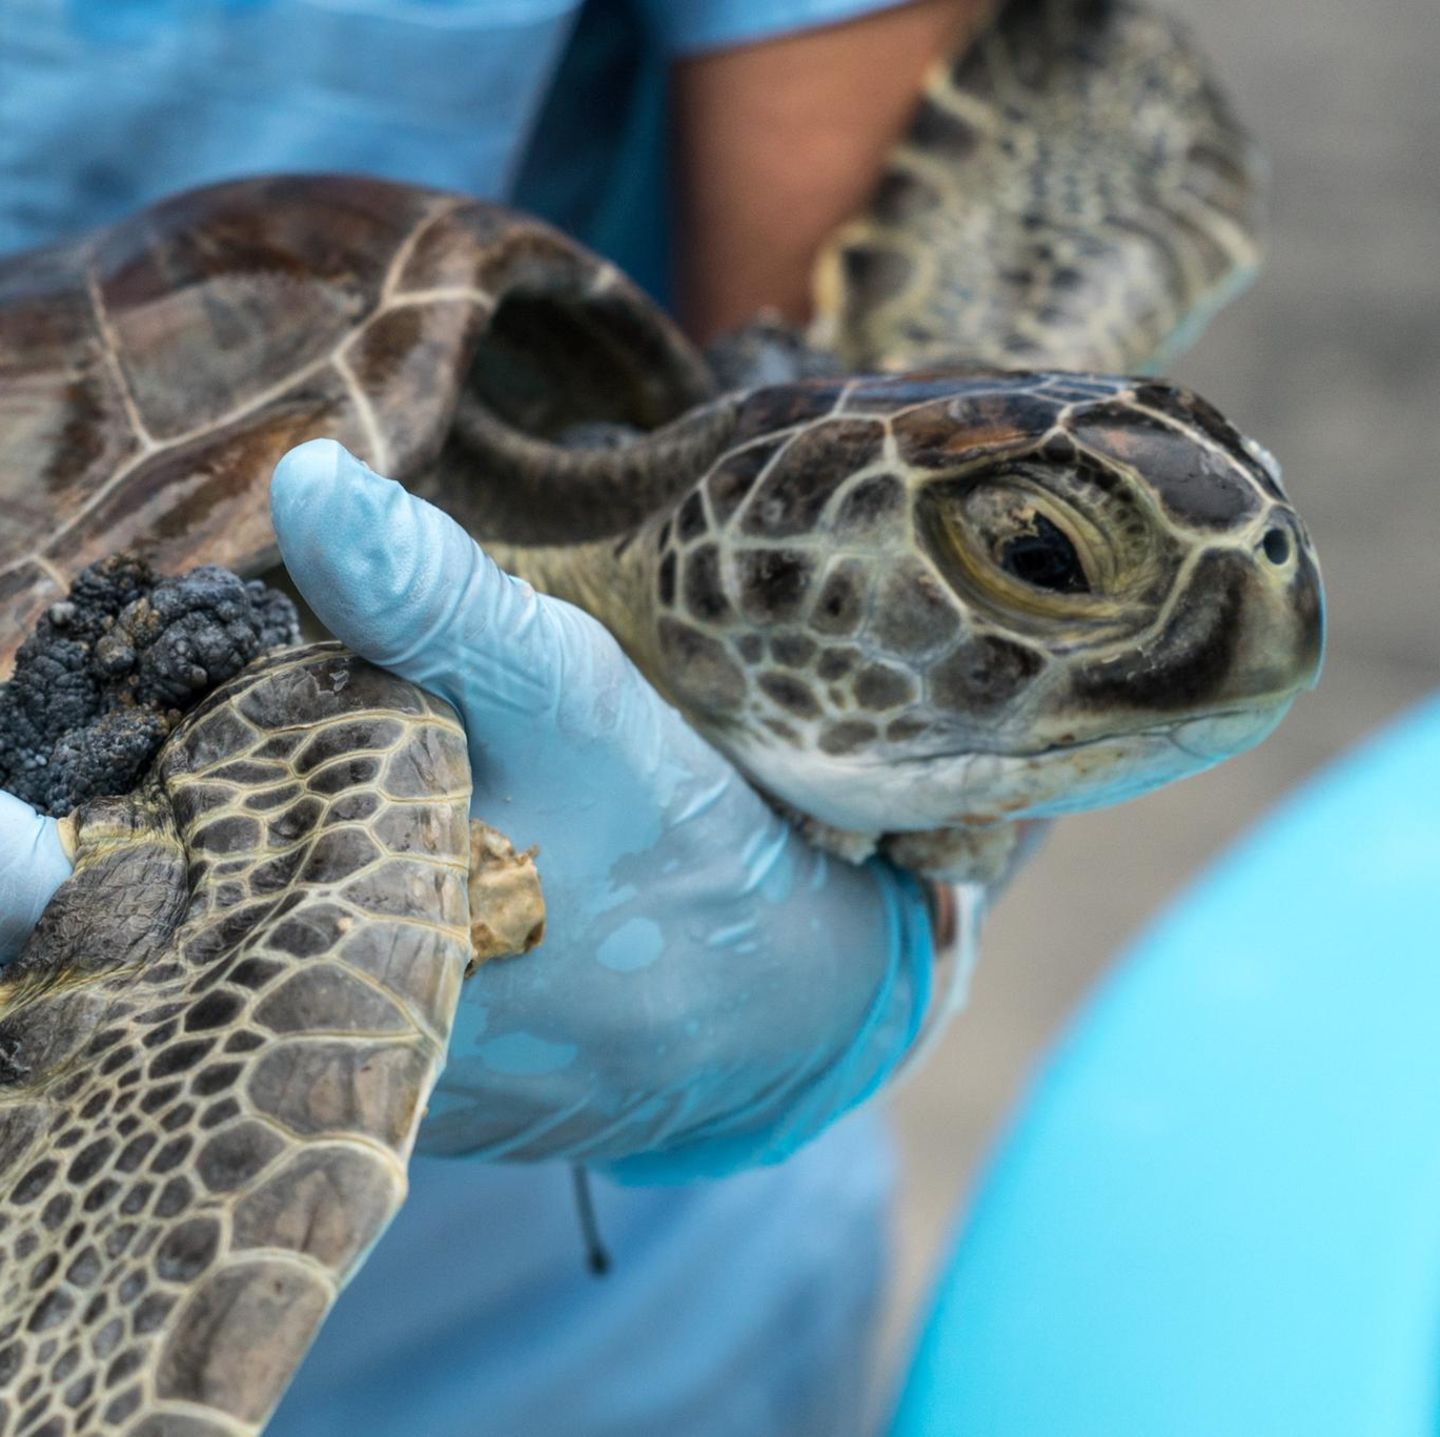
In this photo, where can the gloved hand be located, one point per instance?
(711, 991)
(33, 864)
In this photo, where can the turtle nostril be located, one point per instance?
(1276, 545)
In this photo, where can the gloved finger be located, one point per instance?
(33, 864)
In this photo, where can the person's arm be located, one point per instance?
(779, 142)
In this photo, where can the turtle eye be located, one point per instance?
(1043, 557)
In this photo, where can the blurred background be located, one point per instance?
(1332, 360)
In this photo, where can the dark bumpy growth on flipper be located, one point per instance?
(111, 670)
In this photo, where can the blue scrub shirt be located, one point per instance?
(738, 1307)
(106, 105)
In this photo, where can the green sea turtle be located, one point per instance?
(912, 608)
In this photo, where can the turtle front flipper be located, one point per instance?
(1073, 193)
(216, 1049)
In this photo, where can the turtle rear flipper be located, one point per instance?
(1073, 193)
(206, 1107)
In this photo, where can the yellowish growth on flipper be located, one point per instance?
(507, 909)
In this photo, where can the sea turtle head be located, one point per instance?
(916, 602)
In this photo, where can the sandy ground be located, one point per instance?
(1332, 361)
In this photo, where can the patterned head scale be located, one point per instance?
(961, 597)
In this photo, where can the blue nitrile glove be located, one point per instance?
(711, 991)
(33, 864)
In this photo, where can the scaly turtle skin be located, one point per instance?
(911, 608)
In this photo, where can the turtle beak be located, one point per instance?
(1218, 736)
(1242, 636)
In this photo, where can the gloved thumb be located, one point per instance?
(403, 585)
(33, 864)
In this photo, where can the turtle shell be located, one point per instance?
(152, 374)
